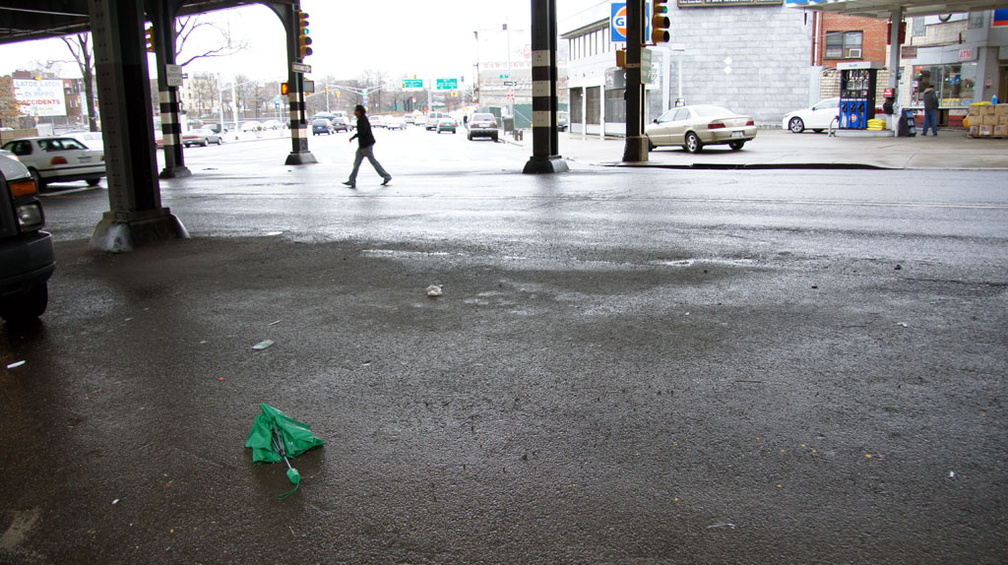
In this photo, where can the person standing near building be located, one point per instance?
(930, 110)
(365, 148)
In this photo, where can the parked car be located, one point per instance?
(447, 124)
(58, 159)
(320, 126)
(563, 121)
(27, 258)
(433, 119)
(93, 139)
(693, 127)
(817, 118)
(483, 125)
(202, 136)
(251, 126)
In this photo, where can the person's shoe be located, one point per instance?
(350, 184)
(386, 181)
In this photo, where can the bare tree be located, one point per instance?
(83, 53)
(9, 113)
(190, 28)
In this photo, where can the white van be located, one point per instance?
(433, 118)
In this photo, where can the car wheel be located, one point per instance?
(27, 306)
(205, 143)
(40, 183)
(469, 137)
(736, 145)
(693, 144)
(650, 144)
(220, 140)
(796, 125)
(93, 182)
(494, 138)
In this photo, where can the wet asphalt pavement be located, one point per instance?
(687, 390)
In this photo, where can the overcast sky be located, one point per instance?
(398, 37)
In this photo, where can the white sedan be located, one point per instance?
(817, 118)
(58, 159)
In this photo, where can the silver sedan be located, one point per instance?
(693, 127)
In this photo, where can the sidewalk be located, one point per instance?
(775, 148)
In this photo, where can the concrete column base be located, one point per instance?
(551, 164)
(635, 150)
(175, 172)
(122, 231)
(301, 158)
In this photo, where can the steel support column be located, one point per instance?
(299, 155)
(545, 144)
(636, 145)
(162, 17)
(135, 215)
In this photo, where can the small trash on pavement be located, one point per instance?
(434, 290)
(15, 364)
(263, 344)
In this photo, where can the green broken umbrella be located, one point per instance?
(275, 436)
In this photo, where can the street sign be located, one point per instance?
(447, 84)
(173, 75)
(300, 67)
(504, 76)
(412, 84)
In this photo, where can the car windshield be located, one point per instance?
(320, 122)
(483, 117)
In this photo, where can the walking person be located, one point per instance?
(365, 148)
(930, 110)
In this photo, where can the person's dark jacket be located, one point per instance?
(364, 136)
(930, 100)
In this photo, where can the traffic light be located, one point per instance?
(284, 88)
(149, 37)
(304, 42)
(660, 22)
(621, 58)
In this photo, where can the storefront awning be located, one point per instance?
(883, 9)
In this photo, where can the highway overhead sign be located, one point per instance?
(412, 84)
(447, 84)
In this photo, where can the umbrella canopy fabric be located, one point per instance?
(297, 436)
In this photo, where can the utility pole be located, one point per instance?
(635, 150)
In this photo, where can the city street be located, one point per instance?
(624, 365)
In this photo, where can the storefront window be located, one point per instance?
(576, 105)
(593, 105)
(954, 83)
(615, 106)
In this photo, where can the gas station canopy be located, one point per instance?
(883, 9)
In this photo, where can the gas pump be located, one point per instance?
(858, 80)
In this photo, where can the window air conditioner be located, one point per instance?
(853, 53)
